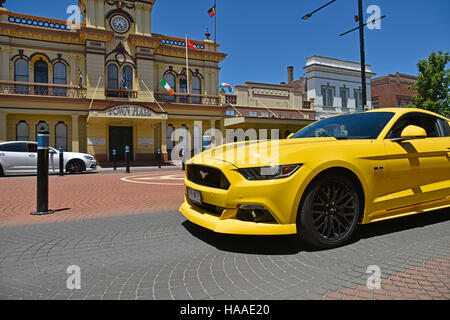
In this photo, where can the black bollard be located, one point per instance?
(182, 159)
(42, 172)
(61, 161)
(114, 154)
(127, 158)
(159, 158)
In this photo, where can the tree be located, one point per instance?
(433, 84)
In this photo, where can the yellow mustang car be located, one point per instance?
(326, 178)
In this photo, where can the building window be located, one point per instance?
(113, 77)
(328, 96)
(183, 84)
(344, 97)
(127, 78)
(196, 89)
(41, 71)
(41, 124)
(264, 114)
(59, 77)
(21, 73)
(405, 103)
(253, 114)
(170, 79)
(169, 141)
(22, 131)
(230, 113)
(398, 103)
(41, 76)
(358, 99)
(61, 135)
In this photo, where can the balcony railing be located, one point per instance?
(187, 98)
(41, 89)
(230, 98)
(119, 93)
(306, 104)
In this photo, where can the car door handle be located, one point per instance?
(31, 155)
(2, 154)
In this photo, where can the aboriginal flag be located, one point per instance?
(212, 11)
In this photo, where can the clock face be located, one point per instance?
(119, 24)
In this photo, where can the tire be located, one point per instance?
(75, 166)
(1, 171)
(329, 212)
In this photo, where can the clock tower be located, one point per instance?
(121, 16)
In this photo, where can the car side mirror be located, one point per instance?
(411, 132)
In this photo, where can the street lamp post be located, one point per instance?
(363, 55)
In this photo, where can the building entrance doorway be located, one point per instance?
(119, 137)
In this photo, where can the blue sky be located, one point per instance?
(263, 37)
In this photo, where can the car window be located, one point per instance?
(14, 147)
(32, 147)
(363, 125)
(444, 127)
(429, 123)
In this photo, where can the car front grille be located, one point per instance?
(207, 176)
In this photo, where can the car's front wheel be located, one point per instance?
(75, 166)
(329, 212)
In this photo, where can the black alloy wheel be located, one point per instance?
(75, 166)
(330, 211)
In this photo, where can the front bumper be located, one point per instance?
(233, 226)
(91, 165)
(280, 197)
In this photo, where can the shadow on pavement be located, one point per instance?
(290, 244)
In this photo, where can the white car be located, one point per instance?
(21, 157)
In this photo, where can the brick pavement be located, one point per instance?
(87, 196)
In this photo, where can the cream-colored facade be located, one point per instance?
(97, 86)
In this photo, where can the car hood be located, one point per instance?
(261, 153)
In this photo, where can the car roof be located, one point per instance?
(8, 142)
(406, 110)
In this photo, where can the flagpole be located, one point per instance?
(187, 67)
(215, 29)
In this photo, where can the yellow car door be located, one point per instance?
(418, 168)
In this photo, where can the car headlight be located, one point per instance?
(88, 157)
(269, 172)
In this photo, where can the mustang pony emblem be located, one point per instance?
(203, 174)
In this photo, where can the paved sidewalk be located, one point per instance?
(88, 196)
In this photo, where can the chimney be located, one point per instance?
(290, 71)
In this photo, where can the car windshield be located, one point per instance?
(363, 125)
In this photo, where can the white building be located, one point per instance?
(335, 85)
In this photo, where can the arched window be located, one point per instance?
(127, 78)
(59, 77)
(113, 76)
(41, 71)
(41, 76)
(196, 86)
(169, 141)
(170, 79)
(22, 131)
(196, 89)
(40, 125)
(183, 84)
(61, 135)
(21, 73)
